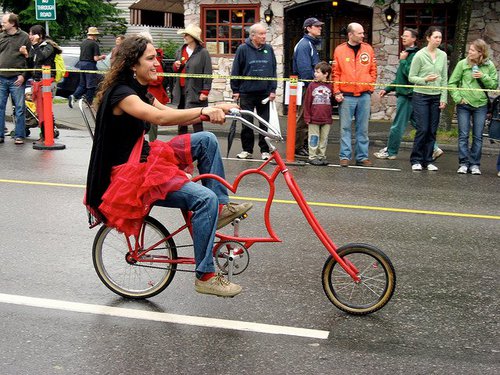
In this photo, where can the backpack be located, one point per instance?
(493, 122)
(60, 67)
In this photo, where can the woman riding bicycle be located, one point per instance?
(125, 110)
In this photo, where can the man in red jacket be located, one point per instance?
(354, 71)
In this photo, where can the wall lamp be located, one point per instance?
(268, 15)
(390, 15)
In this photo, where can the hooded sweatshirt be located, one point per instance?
(251, 61)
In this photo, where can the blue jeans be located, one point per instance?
(88, 81)
(359, 107)
(202, 200)
(426, 112)
(17, 95)
(465, 113)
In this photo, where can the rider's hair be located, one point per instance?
(129, 53)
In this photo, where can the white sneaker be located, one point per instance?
(381, 155)
(462, 169)
(244, 155)
(498, 174)
(475, 170)
(437, 153)
(265, 155)
(416, 167)
(432, 167)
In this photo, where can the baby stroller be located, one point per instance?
(31, 115)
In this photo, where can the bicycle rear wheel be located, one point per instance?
(136, 280)
(372, 292)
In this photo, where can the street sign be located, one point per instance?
(45, 10)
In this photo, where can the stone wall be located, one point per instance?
(485, 24)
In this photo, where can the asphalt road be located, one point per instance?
(440, 230)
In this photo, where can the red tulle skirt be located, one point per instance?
(136, 186)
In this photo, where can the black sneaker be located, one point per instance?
(71, 100)
(302, 153)
(2, 140)
(315, 162)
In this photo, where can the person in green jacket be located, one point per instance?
(429, 73)
(477, 72)
(404, 109)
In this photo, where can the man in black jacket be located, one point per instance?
(254, 58)
(90, 54)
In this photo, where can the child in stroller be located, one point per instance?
(31, 115)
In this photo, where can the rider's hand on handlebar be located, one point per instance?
(213, 114)
(226, 107)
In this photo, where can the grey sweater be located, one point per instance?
(10, 57)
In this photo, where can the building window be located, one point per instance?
(153, 18)
(225, 27)
(422, 16)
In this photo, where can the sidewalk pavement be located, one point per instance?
(66, 117)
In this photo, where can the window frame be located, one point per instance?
(218, 23)
(447, 13)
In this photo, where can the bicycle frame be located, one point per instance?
(140, 255)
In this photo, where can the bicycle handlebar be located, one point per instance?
(272, 132)
(237, 114)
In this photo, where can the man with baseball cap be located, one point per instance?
(305, 57)
(89, 56)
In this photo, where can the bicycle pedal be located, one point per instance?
(239, 218)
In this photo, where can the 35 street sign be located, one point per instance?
(45, 10)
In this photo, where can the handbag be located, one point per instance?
(274, 120)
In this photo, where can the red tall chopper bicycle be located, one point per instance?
(357, 278)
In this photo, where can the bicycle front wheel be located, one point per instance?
(130, 279)
(372, 292)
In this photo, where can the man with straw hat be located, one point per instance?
(89, 56)
(192, 58)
